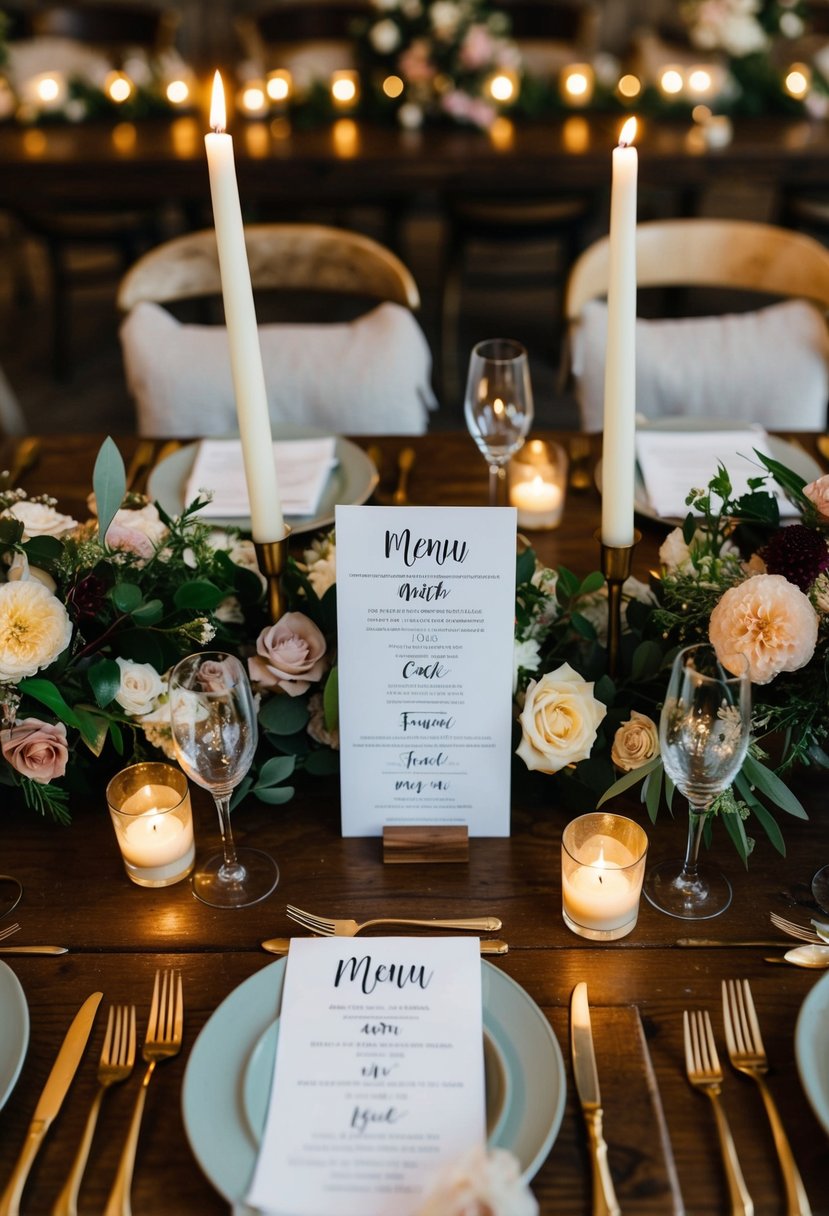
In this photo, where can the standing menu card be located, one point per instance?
(425, 628)
(379, 1076)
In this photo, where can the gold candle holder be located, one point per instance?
(272, 555)
(616, 564)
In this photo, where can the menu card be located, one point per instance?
(675, 462)
(303, 467)
(425, 626)
(378, 1078)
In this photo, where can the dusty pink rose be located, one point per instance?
(769, 621)
(130, 540)
(289, 655)
(215, 675)
(818, 493)
(36, 749)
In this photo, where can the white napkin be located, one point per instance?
(674, 462)
(302, 469)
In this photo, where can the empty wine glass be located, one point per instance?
(214, 728)
(498, 405)
(820, 888)
(703, 733)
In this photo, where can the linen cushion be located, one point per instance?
(770, 366)
(371, 375)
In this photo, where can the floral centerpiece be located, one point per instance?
(444, 52)
(732, 575)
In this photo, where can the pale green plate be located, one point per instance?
(216, 1109)
(811, 1044)
(14, 1031)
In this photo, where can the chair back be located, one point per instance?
(109, 25)
(308, 257)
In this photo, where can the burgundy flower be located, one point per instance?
(85, 598)
(799, 553)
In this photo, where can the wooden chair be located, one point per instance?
(371, 373)
(733, 256)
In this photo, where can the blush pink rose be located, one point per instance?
(36, 749)
(289, 655)
(818, 493)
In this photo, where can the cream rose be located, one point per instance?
(289, 655)
(769, 621)
(36, 749)
(559, 720)
(38, 519)
(635, 742)
(20, 571)
(141, 686)
(818, 494)
(34, 629)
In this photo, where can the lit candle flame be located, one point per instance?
(628, 133)
(218, 112)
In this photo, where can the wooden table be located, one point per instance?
(76, 894)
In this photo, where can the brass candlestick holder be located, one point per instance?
(616, 564)
(272, 556)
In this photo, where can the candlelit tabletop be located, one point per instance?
(77, 894)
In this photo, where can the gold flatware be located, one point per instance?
(405, 460)
(748, 1055)
(34, 949)
(718, 943)
(26, 456)
(822, 442)
(328, 927)
(50, 1101)
(141, 461)
(800, 932)
(165, 1027)
(702, 1065)
(116, 1064)
(579, 478)
(9, 930)
(586, 1076)
(816, 957)
(281, 945)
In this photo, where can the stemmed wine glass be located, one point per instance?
(215, 733)
(703, 733)
(499, 404)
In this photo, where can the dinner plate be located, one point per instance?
(790, 454)
(351, 481)
(811, 1044)
(216, 1117)
(14, 1031)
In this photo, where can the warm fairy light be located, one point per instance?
(575, 133)
(253, 100)
(701, 114)
(118, 87)
(627, 133)
(280, 85)
(218, 111)
(48, 88)
(344, 87)
(124, 137)
(576, 84)
(393, 86)
(178, 92)
(798, 80)
(502, 133)
(346, 136)
(257, 141)
(185, 135)
(700, 81)
(502, 87)
(629, 86)
(671, 82)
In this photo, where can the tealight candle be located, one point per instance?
(150, 809)
(602, 867)
(537, 483)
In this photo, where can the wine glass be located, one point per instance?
(703, 734)
(215, 733)
(820, 888)
(498, 406)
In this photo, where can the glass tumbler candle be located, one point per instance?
(602, 867)
(538, 483)
(150, 809)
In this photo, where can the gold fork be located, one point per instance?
(163, 1040)
(9, 930)
(794, 930)
(702, 1065)
(327, 927)
(748, 1055)
(116, 1064)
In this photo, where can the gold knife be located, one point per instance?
(49, 1103)
(34, 949)
(587, 1085)
(141, 460)
(281, 945)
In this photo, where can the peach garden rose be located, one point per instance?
(559, 720)
(635, 743)
(770, 621)
(818, 494)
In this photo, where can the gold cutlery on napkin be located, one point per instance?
(281, 945)
(50, 1101)
(586, 1077)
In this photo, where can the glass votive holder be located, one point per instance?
(602, 867)
(150, 809)
(537, 484)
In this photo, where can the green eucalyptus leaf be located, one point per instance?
(199, 593)
(769, 783)
(274, 795)
(109, 481)
(735, 829)
(284, 715)
(275, 770)
(149, 614)
(126, 597)
(629, 779)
